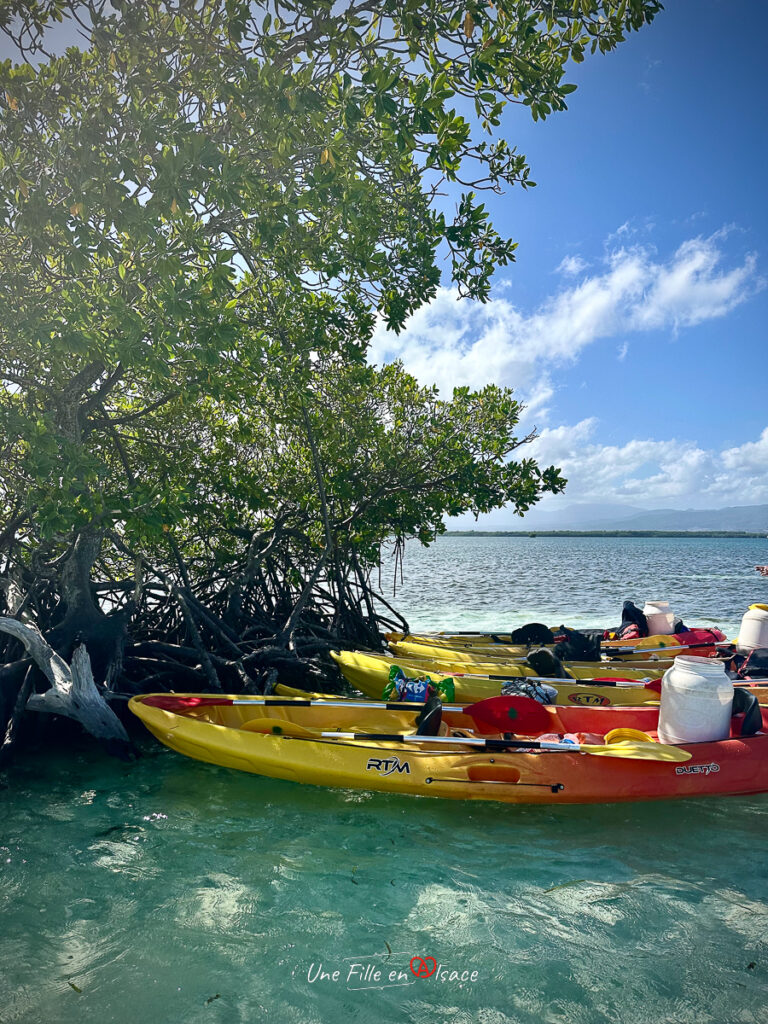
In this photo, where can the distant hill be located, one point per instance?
(582, 516)
(749, 518)
(737, 517)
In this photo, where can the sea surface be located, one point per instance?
(497, 583)
(166, 890)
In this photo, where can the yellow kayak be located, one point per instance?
(617, 758)
(469, 661)
(461, 641)
(483, 644)
(369, 673)
(576, 669)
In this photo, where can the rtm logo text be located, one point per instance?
(388, 765)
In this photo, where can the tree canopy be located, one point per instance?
(204, 208)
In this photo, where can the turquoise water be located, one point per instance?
(171, 891)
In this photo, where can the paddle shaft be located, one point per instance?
(492, 745)
(670, 647)
(171, 702)
(343, 702)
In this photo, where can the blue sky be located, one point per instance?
(634, 322)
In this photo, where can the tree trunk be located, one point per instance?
(84, 622)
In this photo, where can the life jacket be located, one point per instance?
(631, 631)
(634, 625)
(700, 636)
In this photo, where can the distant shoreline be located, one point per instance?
(602, 533)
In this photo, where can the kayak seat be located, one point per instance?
(746, 704)
(544, 663)
(430, 717)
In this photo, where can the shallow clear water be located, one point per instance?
(171, 891)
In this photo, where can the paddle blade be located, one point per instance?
(638, 751)
(520, 715)
(172, 702)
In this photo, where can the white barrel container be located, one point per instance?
(660, 617)
(696, 701)
(754, 628)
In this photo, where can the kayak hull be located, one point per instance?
(217, 735)
(370, 674)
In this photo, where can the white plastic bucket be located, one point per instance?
(696, 701)
(660, 618)
(754, 628)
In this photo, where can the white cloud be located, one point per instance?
(747, 465)
(669, 473)
(690, 290)
(571, 266)
(622, 232)
(453, 343)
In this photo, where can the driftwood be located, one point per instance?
(73, 692)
